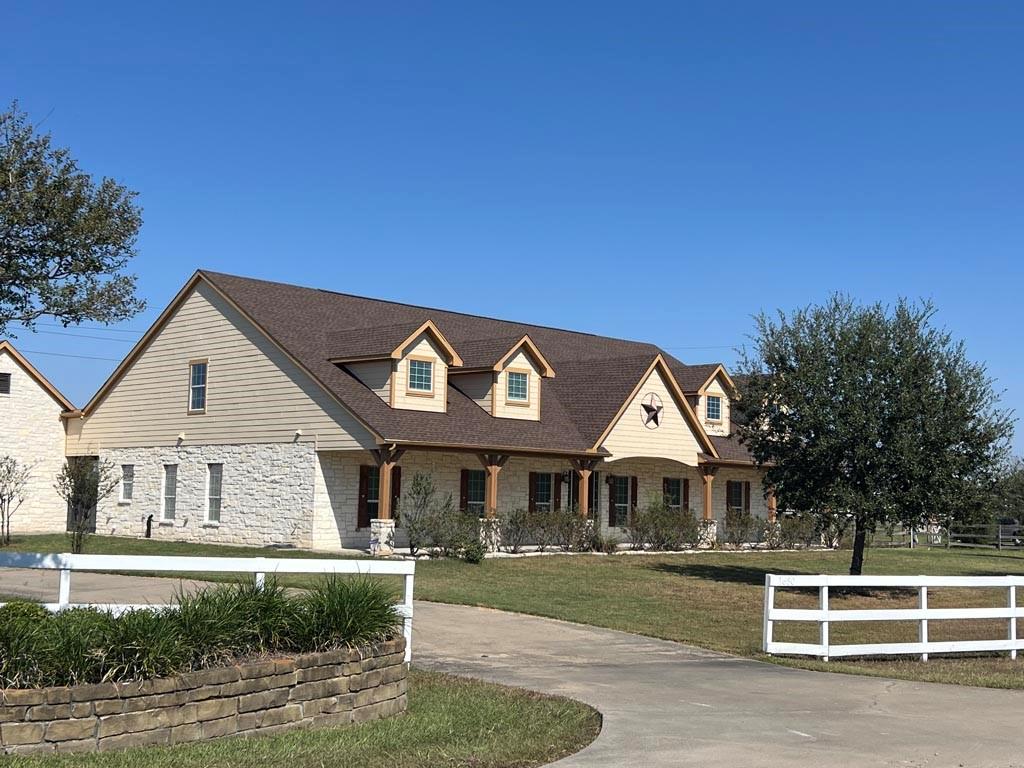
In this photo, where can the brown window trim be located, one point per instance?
(206, 386)
(433, 376)
(518, 403)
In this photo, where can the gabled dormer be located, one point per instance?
(505, 376)
(713, 402)
(405, 365)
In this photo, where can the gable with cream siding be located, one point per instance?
(255, 394)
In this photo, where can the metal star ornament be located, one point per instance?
(652, 410)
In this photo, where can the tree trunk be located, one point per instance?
(859, 540)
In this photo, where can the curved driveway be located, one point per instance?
(666, 704)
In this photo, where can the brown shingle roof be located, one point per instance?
(594, 374)
(692, 377)
(731, 449)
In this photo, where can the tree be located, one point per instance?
(870, 412)
(64, 239)
(83, 483)
(14, 477)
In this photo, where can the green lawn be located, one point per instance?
(710, 599)
(451, 722)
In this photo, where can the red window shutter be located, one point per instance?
(746, 496)
(532, 493)
(396, 492)
(685, 502)
(464, 490)
(664, 489)
(556, 485)
(611, 500)
(632, 494)
(363, 512)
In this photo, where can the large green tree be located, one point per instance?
(65, 239)
(872, 413)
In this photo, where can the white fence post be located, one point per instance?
(769, 603)
(64, 588)
(922, 630)
(260, 577)
(823, 626)
(407, 623)
(1013, 619)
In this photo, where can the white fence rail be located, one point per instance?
(825, 616)
(259, 567)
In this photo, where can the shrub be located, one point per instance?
(516, 530)
(544, 529)
(659, 528)
(798, 531)
(473, 552)
(23, 609)
(772, 534)
(739, 525)
(211, 627)
(414, 514)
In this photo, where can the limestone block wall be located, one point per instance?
(255, 698)
(266, 495)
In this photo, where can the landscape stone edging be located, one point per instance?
(259, 697)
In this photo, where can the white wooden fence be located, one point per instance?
(922, 614)
(258, 566)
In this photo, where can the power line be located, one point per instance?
(79, 357)
(85, 336)
(103, 328)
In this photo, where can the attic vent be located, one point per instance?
(5, 383)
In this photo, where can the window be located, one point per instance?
(714, 408)
(619, 506)
(127, 482)
(736, 495)
(673, 487)
(421, 376)
(476, 488)
(170, 499)
(542, 493)
(197, 387)
(517, 387)
(5, 383)
(214, 481)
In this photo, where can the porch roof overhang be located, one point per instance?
(412, 445)
(704, 458)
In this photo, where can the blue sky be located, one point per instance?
(644, 170)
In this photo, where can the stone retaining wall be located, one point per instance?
(261, 697)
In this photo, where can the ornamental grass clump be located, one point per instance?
(214, 626)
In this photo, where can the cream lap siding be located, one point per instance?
(477, 387)
(505, 409)
(673, 439)
(422, 347)
(720, 428)
(376, 375)
(255, 394)
(31, 432)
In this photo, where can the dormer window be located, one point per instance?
(421, 376)
(517, 387)
(714, 408)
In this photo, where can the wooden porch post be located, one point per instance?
(707, 474)
(386, 459)
(772, 506)
(492, 463)
(583, 469)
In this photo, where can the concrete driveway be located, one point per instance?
(666, 704)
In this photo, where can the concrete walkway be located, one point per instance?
(666, 704)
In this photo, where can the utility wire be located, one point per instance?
(85, 336)
(79, 357)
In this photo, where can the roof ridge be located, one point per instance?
(209, 272)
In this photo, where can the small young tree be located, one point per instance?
(65, 239)
(14, 477)
(83, 483)
(870, 413)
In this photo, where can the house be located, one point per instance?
(32, 432)
(261, 413)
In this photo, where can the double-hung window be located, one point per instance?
(517, 387)
(214, 483)
(543, 492)
(620, 501)
(714, 408)
(673, 487)
(421, 376)
(737, 495)
(197, 386)
(127, 483)
(170, 493)
(476, 489)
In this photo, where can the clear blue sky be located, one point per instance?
(651, 171)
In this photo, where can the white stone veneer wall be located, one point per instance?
(32, 432)
(337, 488)
(267, 494)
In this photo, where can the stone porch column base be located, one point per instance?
(490, 533)
(382, 537)
(707, 534)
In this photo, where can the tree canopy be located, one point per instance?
(870, 412)
(65, 240)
